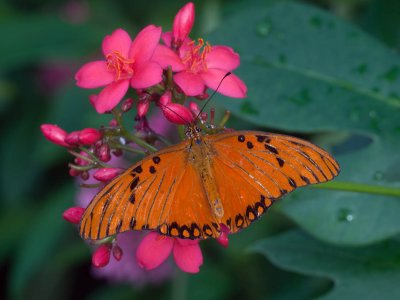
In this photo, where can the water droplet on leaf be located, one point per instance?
(263, 28)
(345, 215)
(378, 175)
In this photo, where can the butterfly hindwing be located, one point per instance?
(253, 169)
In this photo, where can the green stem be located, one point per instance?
(131, 137)
(94, 158)
(127, 148)
(359, 188)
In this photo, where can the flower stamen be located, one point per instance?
(121, 66)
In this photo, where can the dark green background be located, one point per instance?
(325, 70)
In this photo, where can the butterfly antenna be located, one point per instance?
(212, 95)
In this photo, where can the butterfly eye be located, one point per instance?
(198, 129)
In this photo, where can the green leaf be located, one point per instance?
(35, 37)
(39, 242)
(308, 71)
(357, 273)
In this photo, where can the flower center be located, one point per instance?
(194, 55)
(121, 66)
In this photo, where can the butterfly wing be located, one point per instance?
(161, 192)
(254, 169)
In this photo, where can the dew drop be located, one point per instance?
(263, 28)
(378, 176)
(345, 215)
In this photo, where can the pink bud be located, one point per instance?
(118, 152)
(101, 257)
(165, 98)
(143, 108)
(183, 23)
(80, 161)
(89, 136)
(74, 172)
(127, 105)
(113, 123)
(194, 108)
(54, 134)
(177, 113)
(73, 214)
(85, 175)
(104, 153)
(223, 238)
(117, 252)
(106, 174)
(73, 138)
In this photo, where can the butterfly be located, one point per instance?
(190, 189)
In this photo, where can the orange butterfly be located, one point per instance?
(187, 190)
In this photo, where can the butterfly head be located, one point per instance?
(193, 132)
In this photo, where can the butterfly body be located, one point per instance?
(188, 190)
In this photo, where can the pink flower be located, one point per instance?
(200, 65)
(154, 249)
(126, 63)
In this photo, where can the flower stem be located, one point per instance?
(127, 148)
(131, 137)
(359, 188)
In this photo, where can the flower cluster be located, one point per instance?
(166, 75)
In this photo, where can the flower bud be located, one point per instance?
(85, 175)
(73, 214)
(106, 174)
(101, 257)
(113, 123)
(143, 108)
(89, 136)
(165, 98)
(74, 172)
(117, 252)
(80, 161)
(177, 113)
(127, 105)
(223, 238)
(73, 138)
(104, 153)
(183, 23)
(54, 134)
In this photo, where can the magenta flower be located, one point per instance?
(154, 249)
(198, 65)
(126, 63)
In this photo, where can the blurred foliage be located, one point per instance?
(325, 70)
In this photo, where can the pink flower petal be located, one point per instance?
(146, 75)
(168, 58)
(191, 84)
(153, 250)
(222, 57)
(145, 43)
(231, 86)
(93, 75)
(167, 38)
(188, 257)
(118, 41)
(111, 95)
